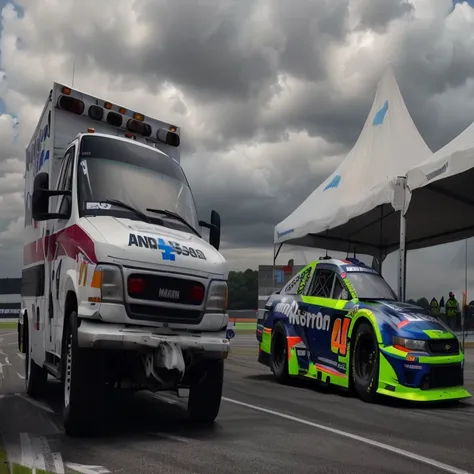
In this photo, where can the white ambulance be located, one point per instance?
(119, 289)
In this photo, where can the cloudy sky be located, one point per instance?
(270, 97)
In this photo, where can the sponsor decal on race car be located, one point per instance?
(334, 363)
(169, 249)
(301, 279)
(303, 318)
(412, 366)
(351, 269)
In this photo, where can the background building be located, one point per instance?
(10, 297)
(270, 280)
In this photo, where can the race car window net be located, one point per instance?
(323, 283)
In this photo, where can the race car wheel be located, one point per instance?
(206, 392)
(279, 354)
(35, 376)
(84, 389)
(365, 362)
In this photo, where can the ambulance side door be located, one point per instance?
(60, 261)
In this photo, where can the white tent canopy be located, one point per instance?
(351, 210)
(440, 205)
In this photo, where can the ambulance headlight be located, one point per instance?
(217, 296)
(110, 281)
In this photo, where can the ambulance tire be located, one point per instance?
(35, 376)
(279, 354)
(83, 386)
(205, 392)
(365, 362)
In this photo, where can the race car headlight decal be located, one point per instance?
(408, 345)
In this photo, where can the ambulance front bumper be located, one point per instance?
(97, 335)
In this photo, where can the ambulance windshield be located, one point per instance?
(138, 176)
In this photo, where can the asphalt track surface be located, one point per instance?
(301, 428)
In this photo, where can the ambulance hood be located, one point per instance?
(149, 245)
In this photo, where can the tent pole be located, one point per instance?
(402, 258)
(276, 251)
(381, 239)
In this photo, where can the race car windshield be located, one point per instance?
(137, 178)
(370, 286)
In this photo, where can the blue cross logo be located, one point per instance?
(168, 252)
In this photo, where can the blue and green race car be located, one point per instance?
(340, 323)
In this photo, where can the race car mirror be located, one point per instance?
(230, 334)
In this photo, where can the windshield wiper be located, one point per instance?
(139, 213)
(176, 216)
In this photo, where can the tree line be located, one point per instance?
(243, 289)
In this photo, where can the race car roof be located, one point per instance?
(346, 265)
(344, 213)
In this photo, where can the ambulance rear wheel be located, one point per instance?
(84, 389)
(205, 392)
(35, 376)
(279, 354)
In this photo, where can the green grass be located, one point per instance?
(8, 325)
(248, 326)
(245, 331)
(3, 459)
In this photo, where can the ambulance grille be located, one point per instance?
(164, 314)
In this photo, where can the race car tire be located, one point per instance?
(36, 377)
(83, 386)
(205, 392)
(365, 362)
(279, 354)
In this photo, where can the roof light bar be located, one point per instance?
(139, 127)
(114, 119)
(168, 137)
(71, 104)
(96, 113)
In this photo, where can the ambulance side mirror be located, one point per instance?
(214, 229)
(40, 199)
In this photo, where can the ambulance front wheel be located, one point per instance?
(83, 386)
(205, 392)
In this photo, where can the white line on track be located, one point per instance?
(181, 439)
(163, 398)
(361, 439)
(27, 457)
(87, 469)
(35, 403)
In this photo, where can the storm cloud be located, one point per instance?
(270, 95)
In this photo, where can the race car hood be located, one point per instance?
(408, 320)
(143, 243)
